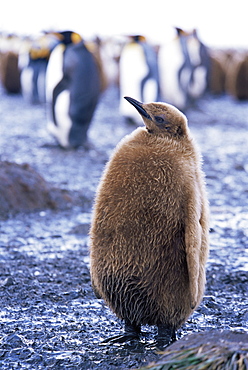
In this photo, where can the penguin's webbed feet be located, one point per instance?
(122, 338)
(166, 336)
(132, 332)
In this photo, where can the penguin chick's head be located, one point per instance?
(161, 119)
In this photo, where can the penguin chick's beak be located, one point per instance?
(138, 106)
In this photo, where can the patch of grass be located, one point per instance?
(202, 359)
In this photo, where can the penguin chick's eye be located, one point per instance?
(159, 119)
(162, 123)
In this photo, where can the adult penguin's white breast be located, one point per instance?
(133, 69)
(54, 72)
(58, 100)
(170, 60)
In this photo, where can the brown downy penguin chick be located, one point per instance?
(149, 233)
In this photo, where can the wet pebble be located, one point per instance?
(12, 341)
(8, 282)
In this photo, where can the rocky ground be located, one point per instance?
(50, 317)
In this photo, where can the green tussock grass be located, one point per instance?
(196, 359)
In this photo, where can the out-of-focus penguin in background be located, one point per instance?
(9, 70)
(236, 83)
(184, 69)
(73, 87)
(33, 60)
(139, 75)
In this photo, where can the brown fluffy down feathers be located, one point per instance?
(149, 234)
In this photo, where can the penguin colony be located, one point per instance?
(149, 233)
(69, 74)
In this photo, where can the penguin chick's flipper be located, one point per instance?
(166, 336)
(132, 332)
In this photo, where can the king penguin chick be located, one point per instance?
(149, 233)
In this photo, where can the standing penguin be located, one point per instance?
(184, 69)
(149, 233)
(138, 73)
(9, 71)
(33, 60)
(73, 87)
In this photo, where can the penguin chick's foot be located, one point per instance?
(166, 336)
(132, 332)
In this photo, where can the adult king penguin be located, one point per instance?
(73, 86)
(139, 74)
(183, 69)
(149, 233)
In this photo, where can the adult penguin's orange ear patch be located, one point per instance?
(76, 38)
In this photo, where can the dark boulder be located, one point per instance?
(22, 189)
